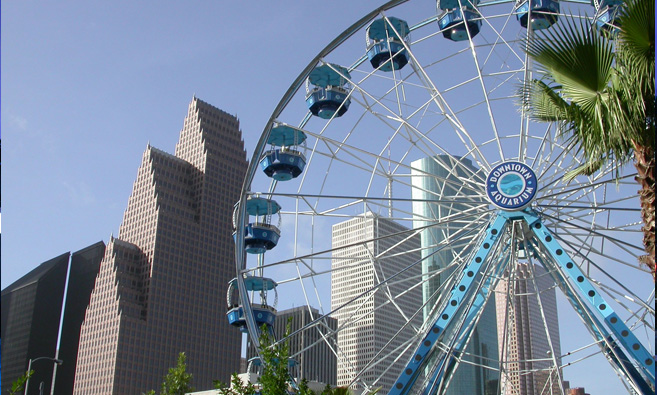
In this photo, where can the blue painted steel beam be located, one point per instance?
(621, 347)
(606, 320)
(441, 375)
(452, 312)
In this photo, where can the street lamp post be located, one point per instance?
(29, 368)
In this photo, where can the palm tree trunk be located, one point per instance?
(645, 164)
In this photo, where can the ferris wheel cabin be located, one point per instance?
(285, 163)
(540, 13)
(263, 313)
(386, 51)
(261, 235)
(458, 19)
(608, 14)
(329, 96)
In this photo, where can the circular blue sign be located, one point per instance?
(511, 185)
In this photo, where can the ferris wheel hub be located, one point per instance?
(511, 186)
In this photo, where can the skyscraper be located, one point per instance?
(162, 281)
(527, 340)
(444, 180)
(31, 310)
(370, 321)
(315, 360)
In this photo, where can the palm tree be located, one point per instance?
(599, 85)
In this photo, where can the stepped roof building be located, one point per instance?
(162, 281)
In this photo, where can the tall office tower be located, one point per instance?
(82, 275)
(162, 281)
(315, 361)
(371, 321)
(442, 178)
(31, 310)
(527, 339)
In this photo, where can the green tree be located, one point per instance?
(600, 87)
(237, 387)
(304, 389)
(274, 378)
(275, 375)
(344, 391)
(18, 386)
(177, 381)
(341, 391)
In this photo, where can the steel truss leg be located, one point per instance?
(448, 363)
(467, 299)
(462, 301)
(624, 351)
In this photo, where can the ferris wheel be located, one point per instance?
(401, 197)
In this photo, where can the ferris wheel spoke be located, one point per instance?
(475, 206)
(617, 242)
(462, 234)
(592, 248)
(442, 104)
(583, 187)
(590, 218)
(553, 349)
(620, 300)
(357, 154)
(609, 279)
(499, 38)
(430, 146)
(486, 97)
(603, 331)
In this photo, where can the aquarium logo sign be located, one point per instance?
(511, 185)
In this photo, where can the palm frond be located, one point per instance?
(636, 39)
(585, 169)
(577, 58)
(544, 102)
(635, 63)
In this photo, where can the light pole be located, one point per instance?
(29, 368)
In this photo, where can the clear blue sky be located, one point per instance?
(86, 85)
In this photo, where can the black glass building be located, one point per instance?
(31, 310)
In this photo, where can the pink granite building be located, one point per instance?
(162, 282)
(523, 314)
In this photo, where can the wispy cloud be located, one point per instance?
(18, 121)
(80, 193)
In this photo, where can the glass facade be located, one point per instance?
(437, 185)
(31, 309)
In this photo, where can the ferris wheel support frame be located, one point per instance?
(444, 369)
(610, 332)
